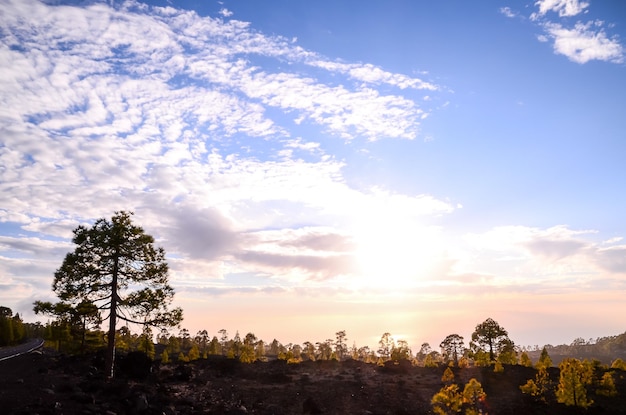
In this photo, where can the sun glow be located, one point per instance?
(394, 253)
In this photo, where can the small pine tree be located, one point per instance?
(165, 357)
(607, 386)
(447, 401)
(524, 360)
(194, 353)
(544, 360)
(430, 361)
(530, 388)
(537, 388)
(619, 364)
(247, 354)
(464, 362)
(145, 343)
(448, 376)
(575, 376)
(481, 358)
(474, 396)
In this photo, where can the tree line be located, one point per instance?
(12, 329)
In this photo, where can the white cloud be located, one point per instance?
(585, 42)
(372, 74)
(563, 7)
(225, 12)
(508, 12)
(580, 43)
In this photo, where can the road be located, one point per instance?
(12, 351)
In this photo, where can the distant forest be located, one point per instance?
(75, 334)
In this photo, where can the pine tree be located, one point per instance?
(474, 396)
(544, 360)
(448, 376)
(524, 360)
(116, 266)
(537, 388)
(447, 401)
(194, 353)
(607, 385)
(490, 336)
(619, 364)
(574, 378)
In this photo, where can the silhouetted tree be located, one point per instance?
(185, 338)
(308, 350)
(173, 345)
(507, 353)
(202, 340)
(163, 337)
(6, 326)
(223, 340)
(214, 346)
(400, 351)
(425, 349)
(248, 353)
(452, 347)
(11, 327)
(146, 343)
(111, 262)
(490, 336)
(274, 347)
(385, 344)
(340, 344)
(324, 350)
(79, 319)
(259, 350)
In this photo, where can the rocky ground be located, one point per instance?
(45, 383)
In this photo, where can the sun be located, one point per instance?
(393, 253)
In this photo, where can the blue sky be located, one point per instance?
(408, 167)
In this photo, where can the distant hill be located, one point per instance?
(604, 349)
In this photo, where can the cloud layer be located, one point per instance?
(167, 113)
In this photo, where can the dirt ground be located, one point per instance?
(45, 383)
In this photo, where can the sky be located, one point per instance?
(410, 167)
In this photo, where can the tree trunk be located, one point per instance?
(82, 340)
(110, 356)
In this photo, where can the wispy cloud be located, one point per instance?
(508, 12)
(111, 106)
